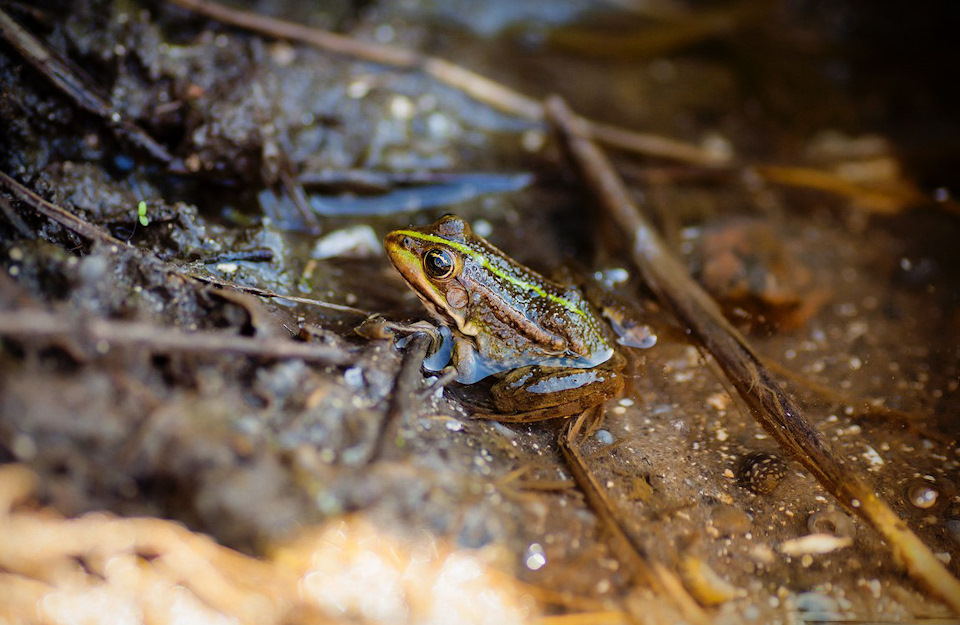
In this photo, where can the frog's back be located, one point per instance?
(557, 309)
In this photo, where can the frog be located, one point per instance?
(541, 340)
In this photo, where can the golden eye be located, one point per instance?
(438, 263)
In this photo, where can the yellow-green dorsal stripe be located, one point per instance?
(465, 249)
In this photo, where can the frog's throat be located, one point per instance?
(484, 262)
(433, 300)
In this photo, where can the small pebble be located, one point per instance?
(815, 544)
(353, 377)
(817, 607)
(730, 520)
(831, 521)
(705, 584)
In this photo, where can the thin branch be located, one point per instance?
(511, 101)
(886, 201)
(261, 292)
(76, 88)
(33, 323)
(655, 145)
(15, 220)
(55, 213)
(776, 411)
(628, 549)
(404, 391)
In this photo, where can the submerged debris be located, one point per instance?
(705, 584)
(814, 544)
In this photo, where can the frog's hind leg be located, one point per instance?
(554, 391)
(530, 416)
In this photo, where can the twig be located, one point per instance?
(776, 412)
(863, 408)
(664, 581)
(655, 145)
(55, 213)
(75, 87)
(256, 255)
(298, 196)
(672, 33)
(261, 292)
(15, 220)
(403, 390)
(879, 201)
(511, 101)
(34, 323)
(474, 85)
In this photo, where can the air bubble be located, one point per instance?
(535, 558)
(922, 494)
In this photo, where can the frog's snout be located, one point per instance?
(395, 239)
(397, 242)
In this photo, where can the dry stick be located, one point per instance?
(76, 88)
(663, 581)
(403, 394)
(883, 202)
(41, 324)
(779, 414)
(508, 100)
(511, 101)
(28, 322)
(267, 293)
(15, 220)
(476, 86)
(863, 407)
(55, 213)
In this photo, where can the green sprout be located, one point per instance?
(142, 214)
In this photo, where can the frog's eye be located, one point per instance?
(438, 263)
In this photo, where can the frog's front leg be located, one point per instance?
(471, 366)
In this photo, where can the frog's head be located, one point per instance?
(431, 260)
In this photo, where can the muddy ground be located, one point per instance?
(848, 287)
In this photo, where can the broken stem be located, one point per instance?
(55, 213)
(404, 390)
(627, 549)
(34, 323)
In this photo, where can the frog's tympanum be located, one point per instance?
(541, 339)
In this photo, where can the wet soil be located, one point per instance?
(854, 301)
